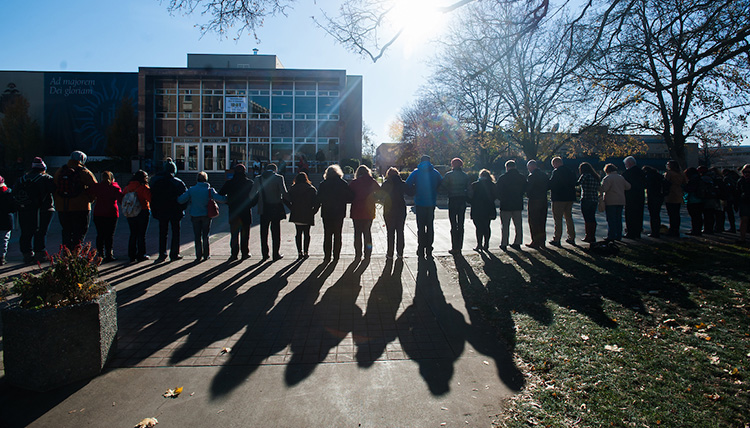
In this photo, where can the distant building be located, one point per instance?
(220, 110)
(734, 157)
(227, 109)
(73, 109)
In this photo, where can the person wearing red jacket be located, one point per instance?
(363, 210)
(139, 224)
(106, 212)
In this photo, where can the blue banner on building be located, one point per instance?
(79, 107)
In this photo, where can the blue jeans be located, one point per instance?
(201, 229)
(425, 230)
(588, 210)
(138, 227)
(614, 222)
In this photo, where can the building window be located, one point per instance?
(328, 108)
(304, 108)
(282, 107)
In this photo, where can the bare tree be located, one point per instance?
(368, 141)
(669, 66)
(508, 88)
(364, 27)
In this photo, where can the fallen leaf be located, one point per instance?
(613, 348)
(147, 423)
(714, 397)
(584, 337)
(714, 360)
(486, 363)
(173, 393)
(701, 325)
(226, 350)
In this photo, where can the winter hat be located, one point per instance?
(457, 163)
(425, 158)
(170, 167)
(240, 169)
(2, 180)
(38, 163)
(78, 156)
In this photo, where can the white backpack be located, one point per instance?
(131, 207)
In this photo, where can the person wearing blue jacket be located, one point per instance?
(198, 197)
(425, 181)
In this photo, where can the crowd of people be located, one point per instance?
(711, 196)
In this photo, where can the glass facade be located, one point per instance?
(213, 124)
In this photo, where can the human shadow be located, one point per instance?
(224, 312)
(378, 326)
(157, 322)
(431, 331)
(548, 282)
(262, 337)
(497, 339)
(332, 319)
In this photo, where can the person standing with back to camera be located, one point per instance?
(456, 183)
(270, 190)
(333, 195)
(35, 213)
(73, 200)
(424, 181)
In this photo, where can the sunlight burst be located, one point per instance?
(421, 20)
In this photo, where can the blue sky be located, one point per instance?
(96, 35)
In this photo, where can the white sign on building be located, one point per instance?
(236, 104)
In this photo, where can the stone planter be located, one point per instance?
(45, 349)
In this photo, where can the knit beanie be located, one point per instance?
(170, 167)
(78, 156)
(38, 163)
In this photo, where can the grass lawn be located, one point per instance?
(657, 336)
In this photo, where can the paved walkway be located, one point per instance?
(286, 343)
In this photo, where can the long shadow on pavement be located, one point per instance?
(266, 333)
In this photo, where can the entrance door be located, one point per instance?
(215, 157)
(186, 157)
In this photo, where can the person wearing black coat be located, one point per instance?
(655, 191)
(562, 186)
(35, 215)
(635, 199)
(237, 190)
(7, 208)
(165, 189)
(302, 202)
(394, 211)
(483, 210)
(732, 197)
(511, 187)
(537, 184)
(333, 195)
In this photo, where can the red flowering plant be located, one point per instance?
(71, 278)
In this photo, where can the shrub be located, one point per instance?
(351, 163)
(71, 278)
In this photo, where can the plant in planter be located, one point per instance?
(64, 325)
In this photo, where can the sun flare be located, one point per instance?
(420, 20)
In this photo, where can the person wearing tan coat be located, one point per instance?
(614, 186)
(73, 200)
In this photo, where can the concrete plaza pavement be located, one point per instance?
(287, 343)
